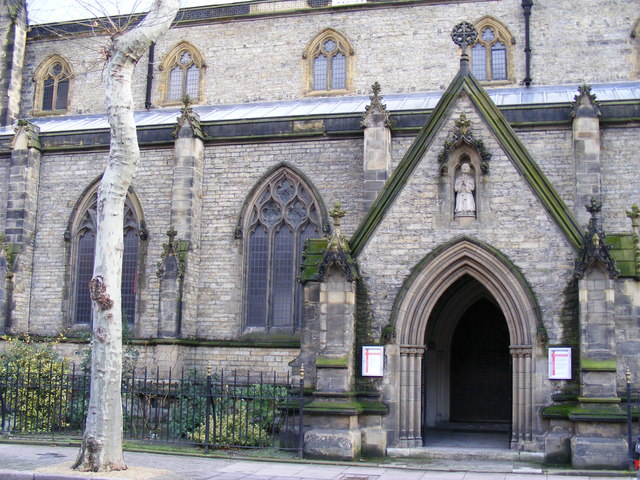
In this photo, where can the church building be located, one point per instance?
(429, 207)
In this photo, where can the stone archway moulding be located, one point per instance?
(428, 282)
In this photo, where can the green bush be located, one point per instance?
(233, 428)
(189, 407)
(33, 382)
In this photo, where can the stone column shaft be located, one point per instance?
(586, 143)
(411, 396)
(377, 148)
(179, 289)
(20, 225)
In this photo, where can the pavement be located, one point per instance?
(52, 462)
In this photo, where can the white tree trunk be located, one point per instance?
(102, 443)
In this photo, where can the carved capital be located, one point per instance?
(412, 350)
(521, 351)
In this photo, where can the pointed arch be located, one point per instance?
(328, 64)
(492, 53)
(53, 84)
(442, 267)
(182, 74)
(81, 238)
(428, 282)
(280, 214)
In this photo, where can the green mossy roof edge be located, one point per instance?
(522, 160)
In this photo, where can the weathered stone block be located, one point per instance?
(597, 452)
(331, 444)
(557, 447)
(374, 442)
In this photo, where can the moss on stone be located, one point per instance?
(608, 365)
(341, 362)
(622, 251)
(352, 407)
(561, 411)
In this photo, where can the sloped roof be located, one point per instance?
(520, 157)
(406, 102)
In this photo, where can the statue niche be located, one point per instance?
(464, 187)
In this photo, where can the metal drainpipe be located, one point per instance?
(147, 100)
(526, 6)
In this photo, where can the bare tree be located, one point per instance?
(101, 448)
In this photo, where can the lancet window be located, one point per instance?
(282, 216)
(83, 251)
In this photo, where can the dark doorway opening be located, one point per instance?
(480, 378)
(467, 383)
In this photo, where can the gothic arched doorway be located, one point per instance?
(467, 381)
(445, 289)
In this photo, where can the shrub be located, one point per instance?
(233, 428)
(33, 384)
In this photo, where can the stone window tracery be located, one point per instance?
(328, 58)
(83, 238)
(283, 215)
(182, 70)
(53, 78)
(490, 55)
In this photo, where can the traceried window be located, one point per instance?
(328, 58)
(283, 215)
(85, 245)
(182, 70)
(490, 53)
(52, 85)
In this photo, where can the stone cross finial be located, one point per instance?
(463, 124)
(376, 88)
(634, 215)
(336, 242)
(337, 213)
(464, 35)
(171, 233)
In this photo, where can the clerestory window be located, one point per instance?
(282, 216)
(52, 86)
(490, 53)
(329, 58)
(183, 73)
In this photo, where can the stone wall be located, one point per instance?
(59, 194)
(256, 360)
(229, 175)
(621, 183)
(513, 222)
(230, 172)
(627, 322)
(404, 47)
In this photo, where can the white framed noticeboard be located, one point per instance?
(560, 363)
(372, 361)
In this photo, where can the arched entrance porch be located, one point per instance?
(464, 265)
(466, 366)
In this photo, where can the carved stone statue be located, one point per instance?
(464, 187)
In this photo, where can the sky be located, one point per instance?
(47, 11)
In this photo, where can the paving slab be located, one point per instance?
(52, 462)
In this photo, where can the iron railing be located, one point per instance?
(633, 410)
(212, 410)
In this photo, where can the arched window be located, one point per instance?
(83, 237)
(329, 58)
(490, 55)
(280, 218)
(182, 75)
(52, 79)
